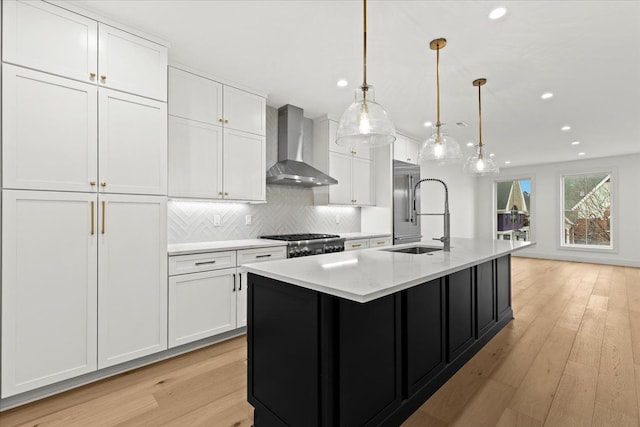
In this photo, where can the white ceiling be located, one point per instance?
(586, 52)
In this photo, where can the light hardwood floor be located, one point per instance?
(571, 357)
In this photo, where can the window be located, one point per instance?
(513, 209)
(586, 210)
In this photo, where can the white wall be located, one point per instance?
(545, 206)
(462, 201)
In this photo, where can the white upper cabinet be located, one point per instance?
(195, 98)
(132, 277)
(49, 132)
(49, 288)
(195, 159)
(49, 38)
(405, 149)
(244, 111)
(133, 144)
(216, 140)
(244, 162)
(351, 166)
(131, 64)
(46, 37)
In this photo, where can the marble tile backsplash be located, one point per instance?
(288, 210)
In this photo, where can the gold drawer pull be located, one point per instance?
(92, 76)
(356, 246)
(104, 213)
(205, 262)
(93, 215)
(103, 78)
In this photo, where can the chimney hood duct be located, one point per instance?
(291, 168)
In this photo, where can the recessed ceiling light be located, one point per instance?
(428, 124)
(462, 124)
(575, 143)
(491, 155)
(342, 83)
(547, 95)
(470, 144)
(581, 154)
(497, 13)
(565, 128)
(507, 162)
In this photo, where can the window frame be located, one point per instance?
(613, 215)
(532, 206)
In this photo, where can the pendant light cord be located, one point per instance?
(438, 86)
(480, 116)
(364, 56)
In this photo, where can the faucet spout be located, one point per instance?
(446, 239)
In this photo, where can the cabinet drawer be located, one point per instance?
(246, 256)
(183, 264)
(380, 241)
(351, 245)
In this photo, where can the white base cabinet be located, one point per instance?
(206, 297)
(49, 288)
(132, 271)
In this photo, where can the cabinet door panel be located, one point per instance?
(340, 169)
(46, 37)
(244, 166)
(461, 312)
(195, 159)
(241, 299)
(195, 98)
(49, 286)
(132, 291)
(503, 279)
(201, 305)
(333, 132)
(132, 64)
(485, 297)
(425, 338)
(244, 111)
(49, 131)
(133, 144)
(362, 182)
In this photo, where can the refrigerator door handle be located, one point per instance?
(409, 199)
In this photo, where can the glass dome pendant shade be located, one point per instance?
(440, 148)
(365, 123)
(477, 164)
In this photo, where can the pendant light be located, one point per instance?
(440, 148)
(478, 164)
(365, 123)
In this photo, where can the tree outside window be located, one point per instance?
(587, 210)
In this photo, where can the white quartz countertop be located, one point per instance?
(363, 235)
(367, 274)
(221, 245)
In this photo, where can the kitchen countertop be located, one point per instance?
(367, 274)
(363, 235)
(221, 245)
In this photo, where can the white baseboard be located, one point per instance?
(579, 258)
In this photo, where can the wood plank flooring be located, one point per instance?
(571, 357)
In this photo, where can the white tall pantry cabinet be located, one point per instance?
(84, 155)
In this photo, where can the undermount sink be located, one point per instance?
(415, 250)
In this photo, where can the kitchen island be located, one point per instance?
(363, 338)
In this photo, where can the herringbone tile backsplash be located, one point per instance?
(288, 210)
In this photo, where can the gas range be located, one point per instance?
(309, 244)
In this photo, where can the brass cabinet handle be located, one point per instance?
(356, 246)
(220, 120)
(226, 194)
(103, 183)
(205, 262)
(381, 243)
(93, 215)
(104, 210)
(92, 76)
(103, 78)
(92, 183)
(219, 193)
(226, 121)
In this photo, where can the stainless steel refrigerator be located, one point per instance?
(405, 228)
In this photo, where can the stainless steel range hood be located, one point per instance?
(291, 168)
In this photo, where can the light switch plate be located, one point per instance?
(216, 220)
(337, 219)
(247, 220)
